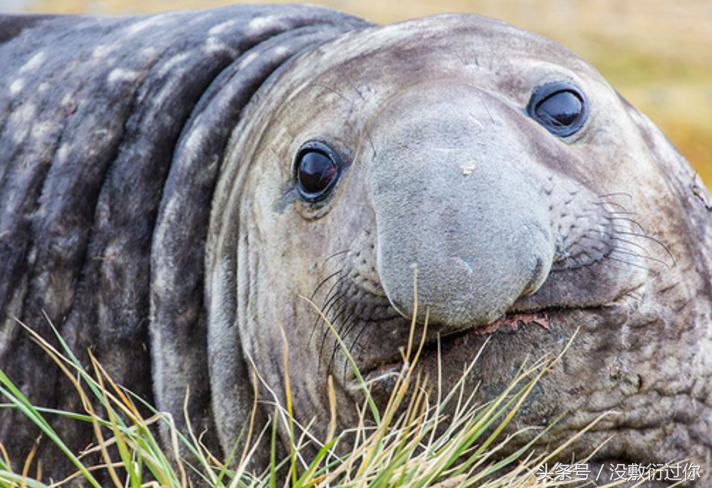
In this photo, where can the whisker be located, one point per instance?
(335, 349)
(639, 246)
(355, 341)
(334, 303)
(331, 295)
(609, 257)
(350, 328)
(617, 194)
(343, 308)
(625, 219)
(606, 262)
(327, 331)
(650, 238)
(614, 204)
(354, 323)
(339, 253)
(324, 282)
(630, 253)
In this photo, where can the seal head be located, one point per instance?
(498, 177)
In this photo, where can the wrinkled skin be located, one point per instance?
(601, 231)
(605, 233)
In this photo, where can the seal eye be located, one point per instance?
(316, 171)
(560, 107)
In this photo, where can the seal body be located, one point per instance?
(173, 186)
(112, 133)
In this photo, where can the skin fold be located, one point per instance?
(149, 205)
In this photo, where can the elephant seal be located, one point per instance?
(173, 185)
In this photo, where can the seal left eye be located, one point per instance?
(560, 107)
(316, 172)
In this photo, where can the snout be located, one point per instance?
(459, 207)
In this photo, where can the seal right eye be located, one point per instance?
(316, 171)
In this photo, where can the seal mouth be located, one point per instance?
(509, 323)
(442, 342)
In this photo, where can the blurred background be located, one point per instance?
(657, 53)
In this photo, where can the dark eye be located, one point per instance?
(317, 170)
(560, 107)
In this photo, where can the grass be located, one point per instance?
(658, 54)
(411, 443)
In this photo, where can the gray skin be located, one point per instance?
(148, 206)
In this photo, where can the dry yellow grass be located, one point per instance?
(411, 443)
(657, 53)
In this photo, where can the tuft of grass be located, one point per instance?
(411, 443)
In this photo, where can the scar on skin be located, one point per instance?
(260, 23)
(120, 74)
(699, 192)
(34, 62)
(220, 28)
(16, 86)
(468, 169)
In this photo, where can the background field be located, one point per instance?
(657, 53)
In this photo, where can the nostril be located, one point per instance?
(539, 276)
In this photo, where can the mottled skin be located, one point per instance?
(152, 213)
(112, 133)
